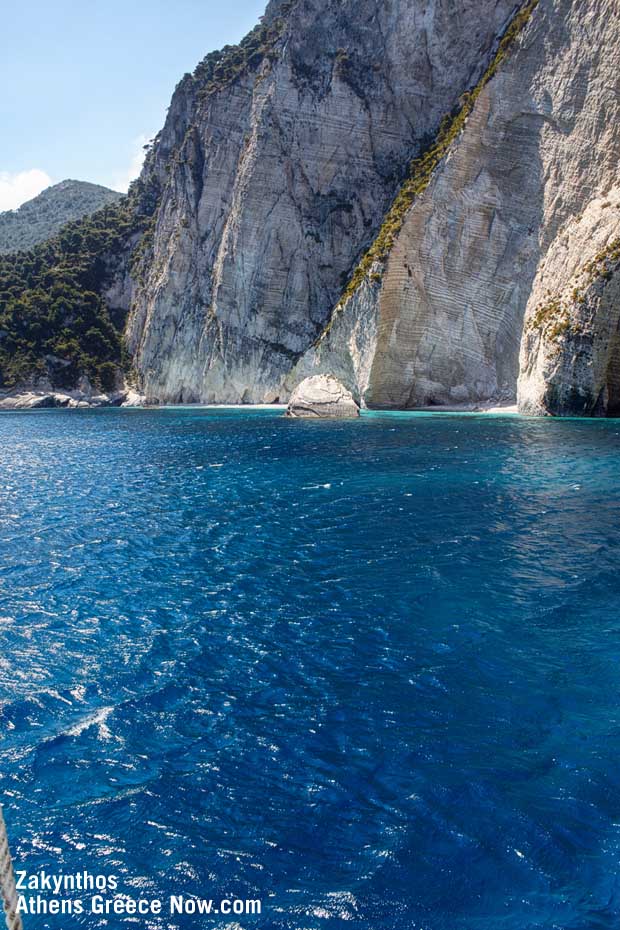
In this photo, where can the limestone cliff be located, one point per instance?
(520, 202)
(571, 346)
(276, 175)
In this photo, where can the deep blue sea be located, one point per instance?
(368, 672)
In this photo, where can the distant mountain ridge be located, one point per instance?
(43, 216)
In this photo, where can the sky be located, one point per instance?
(84, 84)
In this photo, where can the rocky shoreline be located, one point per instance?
(74, 400)
(48, 399)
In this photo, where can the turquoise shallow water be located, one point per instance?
(365, 671)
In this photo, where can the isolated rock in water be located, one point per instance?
(133, 399)
(322, 396)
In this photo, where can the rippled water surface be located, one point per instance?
(365, 671)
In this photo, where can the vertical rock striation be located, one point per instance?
(500, 227)
(279, 174)
(571, 345)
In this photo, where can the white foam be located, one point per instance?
(94, 720)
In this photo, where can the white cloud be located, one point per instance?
(123, 181)
(16, 189)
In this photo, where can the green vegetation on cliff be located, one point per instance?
(220, 68)
(559, 316)
(54, 321)
(604, 263)
(44, 216)
(422, 169)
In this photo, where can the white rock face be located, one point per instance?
(493, 231)
(320, 397)
(33, 400)
(570, 355)
(281, 180)
(347, 348)
(39, 398)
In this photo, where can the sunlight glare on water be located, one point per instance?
(365, 671)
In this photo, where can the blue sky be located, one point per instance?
(83, 84)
